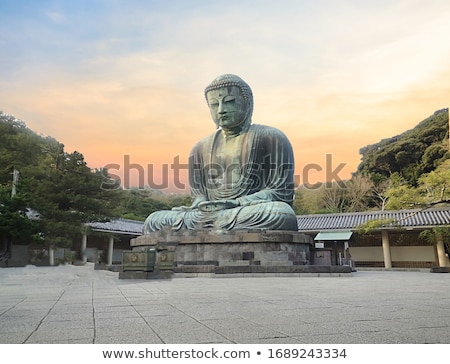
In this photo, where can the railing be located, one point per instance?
(349, 262)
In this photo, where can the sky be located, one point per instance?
(122, 81)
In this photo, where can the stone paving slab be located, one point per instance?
(77, 304)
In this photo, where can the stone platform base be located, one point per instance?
(236, 253)
(261, 271)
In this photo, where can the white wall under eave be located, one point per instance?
(398, 253)
(367, 254)
(413, 253)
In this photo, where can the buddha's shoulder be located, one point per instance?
(265, 130)
(205, 142)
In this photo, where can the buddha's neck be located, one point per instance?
(234, 132)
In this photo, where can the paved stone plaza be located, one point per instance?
(73, 304)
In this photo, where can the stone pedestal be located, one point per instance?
(208, 253)
(240, 251)
(148, 260)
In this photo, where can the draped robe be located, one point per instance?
(257, 171)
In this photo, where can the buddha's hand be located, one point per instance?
(182, 208)
(211, 206)
(194, 205)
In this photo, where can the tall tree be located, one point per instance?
(433, 189)
(15, 226)
(67, 193)
(335, 197)
(60, 186)
(359, 193)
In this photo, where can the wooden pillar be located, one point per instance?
(386, 249)
(83, 248)
(110, 250)
(51, 255)
(442, 258)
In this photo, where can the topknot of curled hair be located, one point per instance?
(228, 80)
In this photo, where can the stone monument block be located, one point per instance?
(139, 260)
(184, 253)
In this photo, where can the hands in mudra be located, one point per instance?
(210, 206)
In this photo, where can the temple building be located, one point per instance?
(394, 242)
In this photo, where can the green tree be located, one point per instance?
(138, 203)
(15, 226)
(60, 186)
(432, 189)
(435, 186)
(19, 146)
(298, 205)
(309, 201)
(67, 193)
(359, 193)
(400, 194)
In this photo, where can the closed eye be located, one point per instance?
(229, 99)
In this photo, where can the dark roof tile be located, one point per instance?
(402, 218)
(123, 226)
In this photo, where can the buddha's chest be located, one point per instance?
(226, 159)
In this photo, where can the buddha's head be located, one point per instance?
(230, 102)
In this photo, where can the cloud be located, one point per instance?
(56, 17)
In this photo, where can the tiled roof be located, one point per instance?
(120, 226)
(401, 218)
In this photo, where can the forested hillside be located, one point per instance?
(410, 154)
(406, 171)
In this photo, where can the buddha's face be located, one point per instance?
(227, 106)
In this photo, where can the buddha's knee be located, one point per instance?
(282, 207)
(157, 221)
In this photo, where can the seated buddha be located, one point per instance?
(241, 176)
